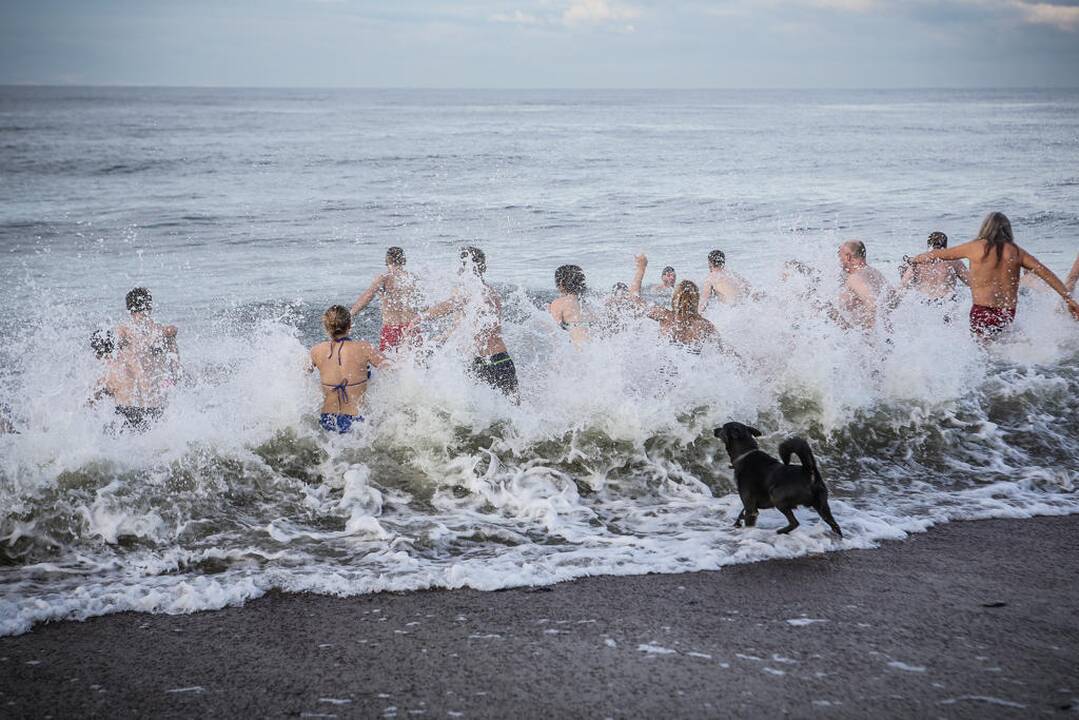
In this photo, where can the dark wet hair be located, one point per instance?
(337, 320)
(102, 344)
(620, 288)
(395, 256)
(474, 256)
(139, 300)
(937, 240)
(996, 230)
(717, 259)
(667, 269)
(570, 279)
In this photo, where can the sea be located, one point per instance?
(247, 212)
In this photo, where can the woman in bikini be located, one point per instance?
(344, 367)
(566, 309)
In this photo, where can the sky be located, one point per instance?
(542, 43)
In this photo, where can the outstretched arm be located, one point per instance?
(1073, 276)
(638, 276)
(368, 295)
(954, 253)
(441, 309)
(1032, 264)
(962, 272)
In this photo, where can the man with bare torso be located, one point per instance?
(478, 304)
(995, 263)
(935, 280)
(147, 362)
(864, 291)
(396, 289)
(728, 286)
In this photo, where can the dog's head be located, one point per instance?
(738, 438)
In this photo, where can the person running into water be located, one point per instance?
(113, 379)
(566, 309)
(936, 280)
(396, 289)
(995, 262)
(477, 302)
(682, 324)
(728, 286)
(343, 366)
(864, 289)
(147, 361)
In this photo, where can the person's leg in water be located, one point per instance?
(341, 424)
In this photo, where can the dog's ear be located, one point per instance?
(754, 431)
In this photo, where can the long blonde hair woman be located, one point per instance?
(683, 323)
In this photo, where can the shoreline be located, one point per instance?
(971, 619)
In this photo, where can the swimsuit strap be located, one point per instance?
(333, 343)
(341, 389)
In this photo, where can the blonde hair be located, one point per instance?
(337, 320)
(996, 230)
(686, 301)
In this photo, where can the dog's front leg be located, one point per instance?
(738, 522)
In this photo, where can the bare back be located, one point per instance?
(936, 280)
(344, 362)
(729, 287)
(398, 297)
(994, 282)
(146, 364)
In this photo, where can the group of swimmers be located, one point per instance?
(144, 350)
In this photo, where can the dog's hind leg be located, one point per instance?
(738, 522)
(826, 514)
(792, 522)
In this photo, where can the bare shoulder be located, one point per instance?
(318, 352)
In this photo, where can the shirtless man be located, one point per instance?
(343, 366)
(665, 286)
(729, 287)
(478, 303)
(397, 289)
(995, 262)
(148, 360)
(935, 280)
(865, 290)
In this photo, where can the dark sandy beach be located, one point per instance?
(976, 619)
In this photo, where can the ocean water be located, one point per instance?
(247, 212)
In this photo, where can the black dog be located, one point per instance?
(764, 482)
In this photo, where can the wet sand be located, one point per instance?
(975, 619)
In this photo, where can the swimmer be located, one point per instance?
(936, 280)
(492, 363)
(566, 309)
(344, 367)
(864, 288)
(666, 283)
(995, 262)
(397, 293)
(114, 378)
(682, 324)
(728, 286)
(148, 362)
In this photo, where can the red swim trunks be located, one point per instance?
(394, 335)
(987, 322)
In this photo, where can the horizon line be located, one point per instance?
(144, 86)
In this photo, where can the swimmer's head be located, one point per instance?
(716, 259)
(337, 320)
(620, 289)
(395, 257)
(686, 300)
(139, 300)
(996, 231)
(569, 279)
(852, 255)
(102, 344)
(474, 259)
(667, 276)
(937, 241)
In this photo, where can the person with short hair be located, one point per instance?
(398, 297)
(566, 308)
(936, 280)
(667, 280)
(864, 291)
(492, 363)
(995, 264)
(114, 379)
(682, 324)
(728, 286)
(148, 361)
(344, 367)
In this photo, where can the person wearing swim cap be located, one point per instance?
(995, 264)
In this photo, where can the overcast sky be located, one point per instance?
(542, 43)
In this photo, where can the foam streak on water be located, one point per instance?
(608, 465)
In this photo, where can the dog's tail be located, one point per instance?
(798, 446)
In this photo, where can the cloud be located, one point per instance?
(516, 17)
(598, 12)
(1062, 17)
